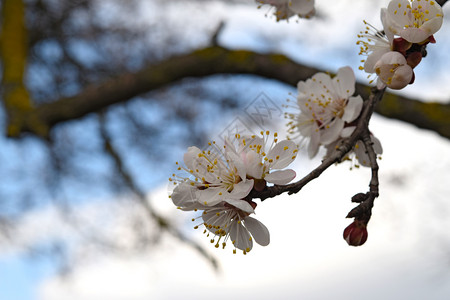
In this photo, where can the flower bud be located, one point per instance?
(393, 70)
(358, 198)
(401, 45)
(356, 233)
(413, 59)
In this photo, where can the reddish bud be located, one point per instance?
(401, 45)
(431, 39)
(259, 184)
(413, 59)
(412, 79)
(356, 233)
(358, 198)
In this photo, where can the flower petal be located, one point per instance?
(241, 204)
(347, 131)
(314, 144)
(184, 196)
(236, 161)
(414, 35)
(376, 145)
(211, 196)
(371, 60)
(280, 177)
(344, 82)
(252, 162)
(283, 154)
(240, 236)
(241, 189)
(258, 230)
(301, 7)
(191, 156)
(353, 109)
(333, 132)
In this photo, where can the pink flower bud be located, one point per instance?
(356, 233)
(401, 45)
(393, 70)
(413, 59)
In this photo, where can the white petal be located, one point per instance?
(414, 35)
(258, 230)
(280, 177)
(353, 109)
(376, 145)
(432, 26)
(201, 170)
(301, 7)
(236, 161)
(332, 133)
(344, 82)
(380, 84)
(402, 77)
(241, 204)
(216, 217)
(240, 236)
(282, 154)
(211, 196)
(371, 60)
(321, 80)
(184, 196)
(252, 162)
(347, 131)
(391, 58)
(241, 189)
(314, 144)
(385, 21)
(191, 156)
(397, 19)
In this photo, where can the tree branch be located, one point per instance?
(14, 51)
(360, 133)
(216, 60)
(163, 224)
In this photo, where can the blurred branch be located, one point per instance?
(163, 224)
(217, 32)
(13, 50)
(217, 60)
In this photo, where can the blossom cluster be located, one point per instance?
(393, 52)
(221, 182)
(325, 112)
(284, 9)
(217, 181)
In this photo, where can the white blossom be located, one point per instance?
(374, 43)
(325, 106)
(361, 153)
(230, 223)
(284, 9)
(264, 161)
(227, 220)
(358, 155)
(414, 20)
(218, 175)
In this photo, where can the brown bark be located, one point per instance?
(211, 61)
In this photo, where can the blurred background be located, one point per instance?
(84, 208)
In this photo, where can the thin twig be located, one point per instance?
(142, 199)
(345, 146)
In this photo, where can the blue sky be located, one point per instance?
(403, 255)
(20, 276)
